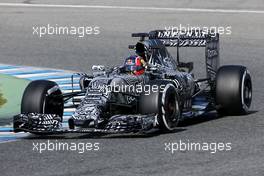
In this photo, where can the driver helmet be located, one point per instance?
(133, 64)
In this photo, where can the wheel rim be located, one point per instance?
(247, 92)
(171, 110)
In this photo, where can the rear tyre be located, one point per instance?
(164, 103)
(233, 90)
(43, 97)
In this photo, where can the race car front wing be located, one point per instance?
(52, 124)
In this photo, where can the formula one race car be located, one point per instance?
(118, 101)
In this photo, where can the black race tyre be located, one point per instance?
(164, 103)
(233, 90)
(42, 96)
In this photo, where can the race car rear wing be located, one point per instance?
(170, 38)
(192, 38)
(197, 38)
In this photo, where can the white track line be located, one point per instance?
(69, 110)
(135, 8)
(79, 97)
(14, 69)
(7, 141)
(68, 91)
(68, 85)
(39, 74)
(65, 79)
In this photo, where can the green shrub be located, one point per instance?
(2, 100)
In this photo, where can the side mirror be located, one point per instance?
(98, 68)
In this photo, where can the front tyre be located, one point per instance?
(169, 112)
(43, 97)
(233, 90)
(164, 103)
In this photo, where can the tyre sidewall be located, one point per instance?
(164, 124)
(35, 97)
(230, 84)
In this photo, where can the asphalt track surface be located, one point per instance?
(137, 154)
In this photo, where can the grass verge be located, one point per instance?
(11, 91)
